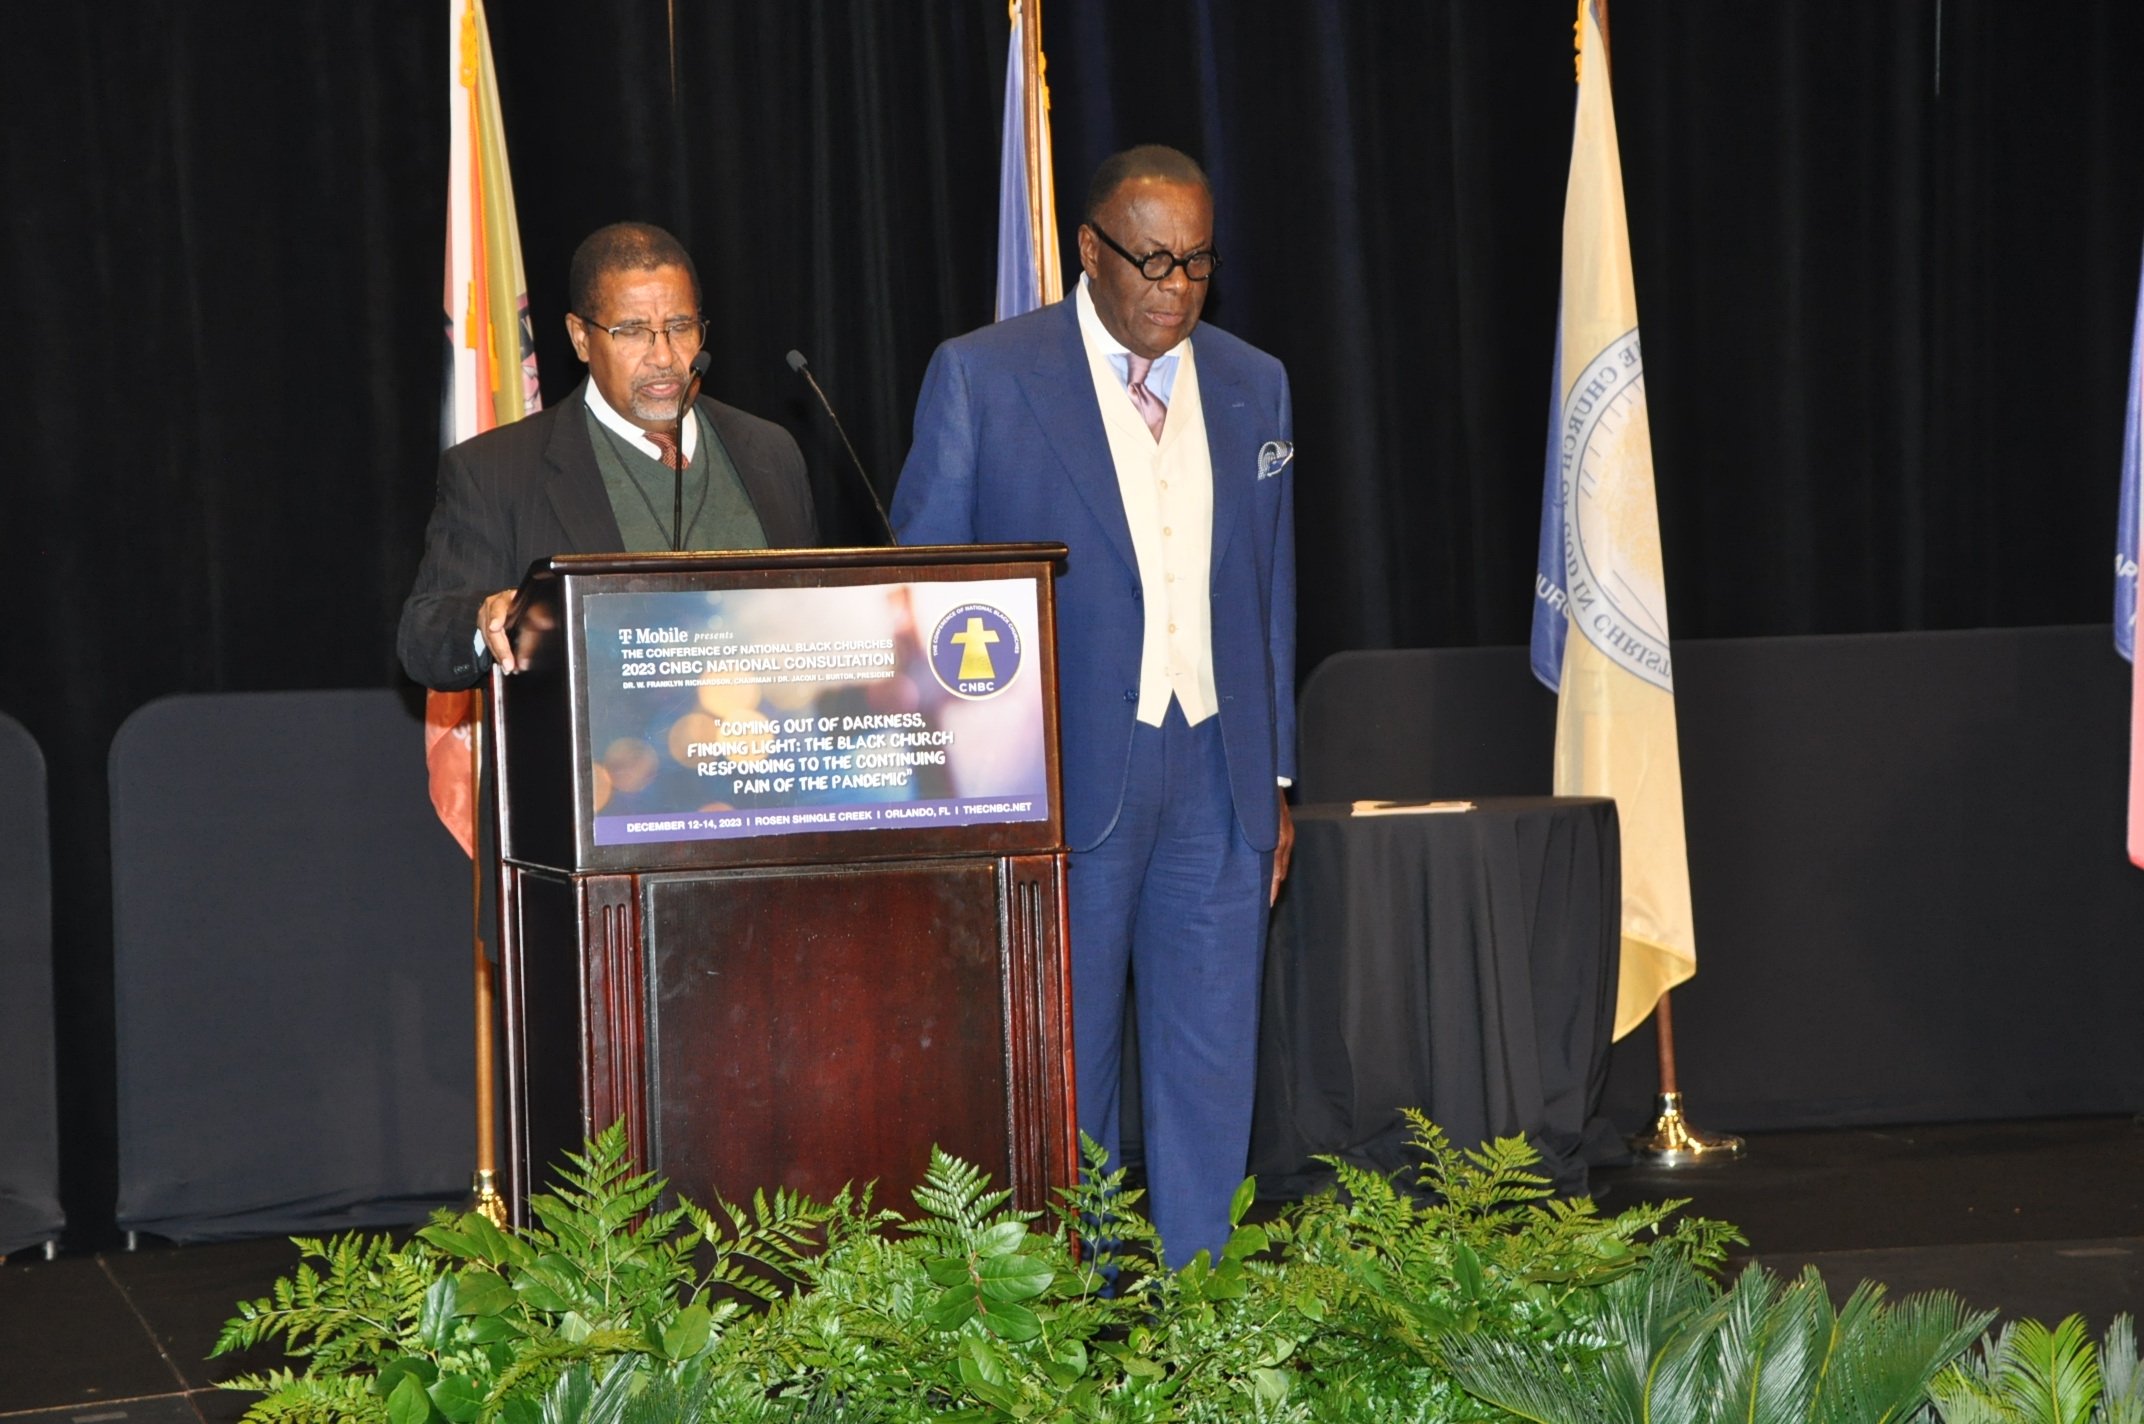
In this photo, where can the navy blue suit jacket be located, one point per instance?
(1009, 447)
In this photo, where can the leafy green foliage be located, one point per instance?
(1480, 1249)
(1673, 1347)
(2029, 1374)
(466, 1324)
(1473, 1296)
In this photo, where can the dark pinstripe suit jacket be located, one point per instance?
(529, 490)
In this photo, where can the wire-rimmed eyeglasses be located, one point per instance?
(636, 338)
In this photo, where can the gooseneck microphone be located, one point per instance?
(694, 374)
(798, 364)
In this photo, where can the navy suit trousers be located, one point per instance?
(1173, 900)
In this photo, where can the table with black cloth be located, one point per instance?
(1462, 963)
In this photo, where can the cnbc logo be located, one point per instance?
(975, 651)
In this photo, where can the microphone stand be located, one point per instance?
(694, 374)
(798, 364)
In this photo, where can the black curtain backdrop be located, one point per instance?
(1886, 255)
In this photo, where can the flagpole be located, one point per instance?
(1031, 106)
(491, 380)
(1671, 1141)
(484, 1186)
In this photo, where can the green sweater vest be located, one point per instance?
(718, 513)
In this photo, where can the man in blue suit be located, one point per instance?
(1160, 453)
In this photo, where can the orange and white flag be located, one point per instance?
(491, 346)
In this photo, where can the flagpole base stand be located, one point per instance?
(1672, 1142)
(484, 1197)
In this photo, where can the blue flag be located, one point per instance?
(1029, 275)
(1552, 618)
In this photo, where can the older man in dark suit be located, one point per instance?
(596, 473)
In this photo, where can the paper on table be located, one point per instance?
(1409, 808)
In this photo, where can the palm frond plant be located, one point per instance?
(2026, 1373)
(1671, 1348)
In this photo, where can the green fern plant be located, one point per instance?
(965, 1310)
(2029, 1374)
(1489, 1249)
(1477, 1297)
(1387, 1276)
(465, 1323)
(971, 1310)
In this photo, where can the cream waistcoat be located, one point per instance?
(1167, 488)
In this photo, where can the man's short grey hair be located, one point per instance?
(1148, 160)
(623, 247)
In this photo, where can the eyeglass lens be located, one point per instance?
(1157, 265)
(684, 335)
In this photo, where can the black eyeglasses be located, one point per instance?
(1156, 265)
(638, 339)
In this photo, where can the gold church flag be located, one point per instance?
(1600, 611)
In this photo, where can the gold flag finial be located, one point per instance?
(466, 70)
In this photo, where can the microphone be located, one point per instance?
(798, 364)
(694, 374)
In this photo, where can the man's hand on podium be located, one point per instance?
(491, 625)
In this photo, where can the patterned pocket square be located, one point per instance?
(1273, 457)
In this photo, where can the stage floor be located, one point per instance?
(2034, 1219)
(2040, 1219)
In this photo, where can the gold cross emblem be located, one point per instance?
(974, 644)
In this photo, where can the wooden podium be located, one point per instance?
(794, 985)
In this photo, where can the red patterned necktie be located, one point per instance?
(667, 443)
(1152, 408)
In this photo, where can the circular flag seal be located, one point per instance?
(975, 651)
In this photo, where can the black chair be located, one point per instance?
(30, 1213)
(1414, 724)
(292, 969)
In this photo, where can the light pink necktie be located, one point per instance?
(1152, 408)
(667, 443)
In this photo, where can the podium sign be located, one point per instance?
(783, 867)
(767, 712)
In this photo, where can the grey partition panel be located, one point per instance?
(292, 968)
(1907, 870)
(1911, 892)
(29, 1106)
